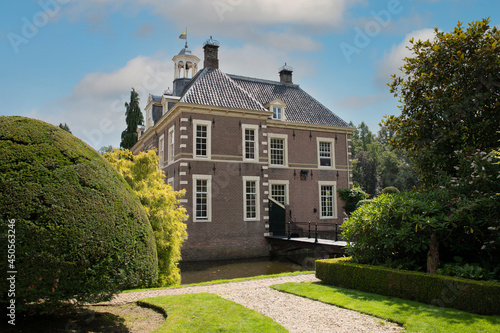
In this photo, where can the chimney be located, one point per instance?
(286, 74)
(211, 48)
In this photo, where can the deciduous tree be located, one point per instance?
(450, 95)
(161, 204)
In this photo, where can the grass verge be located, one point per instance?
(414, 316)
(209, 313)
(224, 281)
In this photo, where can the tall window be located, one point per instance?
(251, 198)
(328, 204)
(277, 113)
(201, 137)
(250, 138)
(201, 140)
(171, 136)
(326, 152)
(249, 144)
(277, 148)
(161, 150)
(278, 193)
(202, 198)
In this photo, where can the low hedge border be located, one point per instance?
(480, 297)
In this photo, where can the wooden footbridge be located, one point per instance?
(322, 238)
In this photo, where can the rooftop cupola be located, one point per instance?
(211, 48)
(186, 64)
(286, 74)
(185, 68)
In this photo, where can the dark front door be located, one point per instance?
(277, 216)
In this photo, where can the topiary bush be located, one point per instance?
(390, 190)
(481, 297)
(80, 232)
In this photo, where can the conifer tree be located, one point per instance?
(133, 117)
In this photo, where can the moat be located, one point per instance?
(195, 272)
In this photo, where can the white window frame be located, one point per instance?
(284, 137)
(171, 146)
(208, 124)
(161, 151)
(208, 178)
(257, 198)
(286, 183)
(255, 128)
(331, 141)
(333, 184)
(276, 115)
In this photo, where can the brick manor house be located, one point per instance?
(240, 146)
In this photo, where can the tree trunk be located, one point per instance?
(433, 255)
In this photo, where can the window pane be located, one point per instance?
(325, 156)
(277, 152)
(278, 193)
(249, 144)
(201, 199)
(327, 201)
(171, 148)
(277, 113)
(201, 140)
(251, 199)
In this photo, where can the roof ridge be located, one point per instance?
(248, 78)
(244, 91)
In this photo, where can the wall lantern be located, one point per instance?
(303, 174)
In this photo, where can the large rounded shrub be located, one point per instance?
(80, 232)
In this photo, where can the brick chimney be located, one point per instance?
(211, 48)
(286, 74)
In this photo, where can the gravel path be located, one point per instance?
(297, 314)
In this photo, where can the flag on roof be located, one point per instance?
(183, 35)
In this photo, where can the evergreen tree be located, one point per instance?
(133, 117)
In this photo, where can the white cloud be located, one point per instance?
(393, 60)
(263, 21)
(95, 110)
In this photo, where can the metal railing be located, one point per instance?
(317, 231)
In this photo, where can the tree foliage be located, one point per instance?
(133, 117)
(376, 164)
(450, 95)
(80, 232)
(161, 204)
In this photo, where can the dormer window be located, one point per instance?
(277, 107)
(277, 113)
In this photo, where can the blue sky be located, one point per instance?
(75, 62)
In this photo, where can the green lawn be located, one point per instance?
(414, 316)
(209, 313)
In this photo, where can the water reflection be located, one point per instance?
(195, 272)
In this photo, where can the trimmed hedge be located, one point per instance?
(80, 232)
(481, 297)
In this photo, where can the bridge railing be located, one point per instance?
(322, 230)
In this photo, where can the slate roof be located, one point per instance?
(300, 106)
(211, 86)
